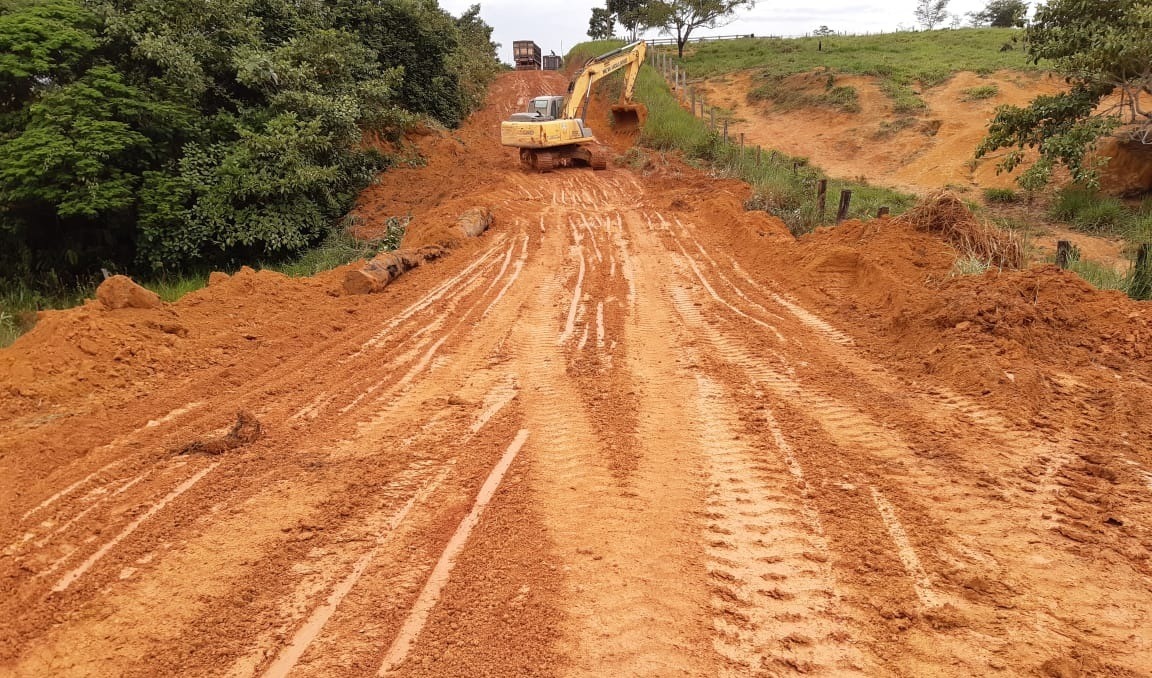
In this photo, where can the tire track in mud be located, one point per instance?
(627, 610)
(979, 549)
(248, 494)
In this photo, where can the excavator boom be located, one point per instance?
(625, 113)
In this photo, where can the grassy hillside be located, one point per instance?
(903, 61)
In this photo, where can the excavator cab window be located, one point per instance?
(540, 107)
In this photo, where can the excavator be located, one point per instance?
(552, 133)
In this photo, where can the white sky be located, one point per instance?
(556, 26)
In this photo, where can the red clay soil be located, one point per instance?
(631, 429)
(920, 153)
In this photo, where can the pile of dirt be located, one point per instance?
(943, 213)
(109, 347)
(1004, 332)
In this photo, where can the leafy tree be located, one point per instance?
(1102, 48)
(682, 17)
(160, 133)
(601, 25)
(931, 13)
(630, 14)
(823, 32)
(1001, 14)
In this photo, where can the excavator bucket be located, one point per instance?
(629, 117)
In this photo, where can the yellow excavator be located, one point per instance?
(551, 133)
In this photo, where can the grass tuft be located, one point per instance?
(980, 93)
(1001, 196)
(1093, 212)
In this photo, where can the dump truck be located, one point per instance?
(553, 62)
(526, 55)
(552, 133)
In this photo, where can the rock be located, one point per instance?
(474, 221)
(120, 292)
(217, 277)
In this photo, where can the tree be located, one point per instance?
(1102, 48)
(681, 17)
(601, 25)
(823, 32)
(931, 13)
(630, 14)
(1001, 14)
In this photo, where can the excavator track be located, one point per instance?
(544, 162)
(599, 161)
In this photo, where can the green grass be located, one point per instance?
(1093, 212)
(1001, 196)
(980, 93)
(782, 185)
(341, 248)
(905, 63)
(1100, 276)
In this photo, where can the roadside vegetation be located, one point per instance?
(904, 62)
(162, 140)
(782, 185)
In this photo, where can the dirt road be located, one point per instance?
(600, 440)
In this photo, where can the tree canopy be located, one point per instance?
(602, 24)
(1103, 50)
(931, 13)
(681, 17)
(1002, 14)
(154, 134)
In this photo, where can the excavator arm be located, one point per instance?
(598, 68)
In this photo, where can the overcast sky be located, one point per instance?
(556, 26)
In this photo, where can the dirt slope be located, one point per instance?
(914, 153)
(632, 430)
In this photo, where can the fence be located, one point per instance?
(677, 78)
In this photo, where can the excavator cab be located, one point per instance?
(541, 109)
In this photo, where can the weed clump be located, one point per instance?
(945, 214)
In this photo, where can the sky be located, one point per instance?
(556, 26)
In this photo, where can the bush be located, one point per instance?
(150, 138)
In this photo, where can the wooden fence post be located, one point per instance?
(758, 153)
(741, 147)
(725, 130)
(882, 212)
(1063, 253)
(692, 97)
(712, 118)
(821, 200)
(845, 203)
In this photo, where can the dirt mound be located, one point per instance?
(945, 214)
(1005, 332)
(120, 292)
(93, 349)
